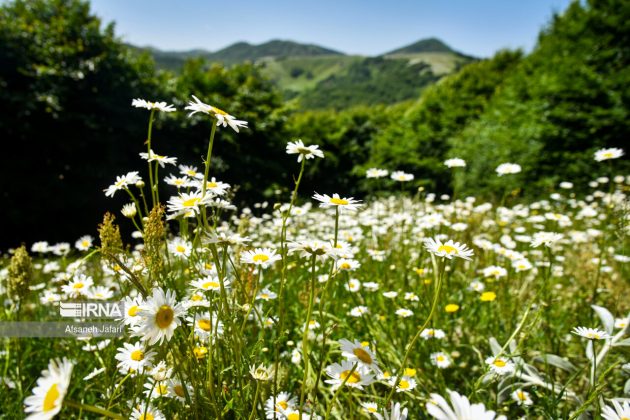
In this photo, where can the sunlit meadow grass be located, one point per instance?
(324, 306)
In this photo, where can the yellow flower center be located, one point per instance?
(403, 384)
(440, 358)
(344, 266)
(371, 410)
(608, 155)
(352, 378)
(200, 352)
(133, 311)
(362, 355)
(282, 404)
(85, 243)
(499, 363)
(521, 395)
(293, 416)
(78, 286)
(196, 298)
(210, 284)
(137, 355)
(51, 398)
(260, 258)
(191, 202)
(448, 249)
(211, 184)
(410, 372)
(339, 201)
(264, 296)
(164, 316)
(219, 111)
(179, 390)
(180, 248)
(147, 416)
(204, 324)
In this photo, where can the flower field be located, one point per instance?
(400, 305)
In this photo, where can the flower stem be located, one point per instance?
(311, 299)
(415, 338)
(149, 134)
(93, 409)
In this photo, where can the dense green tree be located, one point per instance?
(417, 141)
(66, 85)
(569, 97)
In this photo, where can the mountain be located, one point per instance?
(323, 77)
(238, 53)
(429, 45)
(243, 51)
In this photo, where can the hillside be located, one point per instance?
(322, 77)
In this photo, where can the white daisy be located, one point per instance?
(50, 391)
(376, 173)
(401, 176)
(500, 365)
(303, 152)
(339, 373)
(461, 408)
(84, 243)
(508, 168)
(263, 257)
(159, 106)
(134, 358)
(606, 154)
(591, 333)
(521, 397)
(455, 163)
(406, 383)
(355, 351)
(349, 204)
(160, 316)
(223, 118)
(284, 402)
(448, 249)
(441, 359)
(617, 411)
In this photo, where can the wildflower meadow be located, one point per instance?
(321, 306)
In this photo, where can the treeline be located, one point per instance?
(67, 127)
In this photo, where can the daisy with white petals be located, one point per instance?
(157, 106)
(336, 201)
(160, 316)
(50, 391)
(448, 249)
(303, 152)
(223, 118)
(461, 408)
(591, 333)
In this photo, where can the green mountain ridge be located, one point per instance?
(321, 77)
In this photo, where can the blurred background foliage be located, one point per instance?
(67, 126)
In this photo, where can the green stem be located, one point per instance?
(252, 416)
(149, 134)
(311, 299)
(415, 338)
(334, 398)
(283, 277)
(93, 409)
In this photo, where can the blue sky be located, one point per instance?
(368, 27)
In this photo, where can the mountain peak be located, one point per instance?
(427, 45)
(275, 48)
